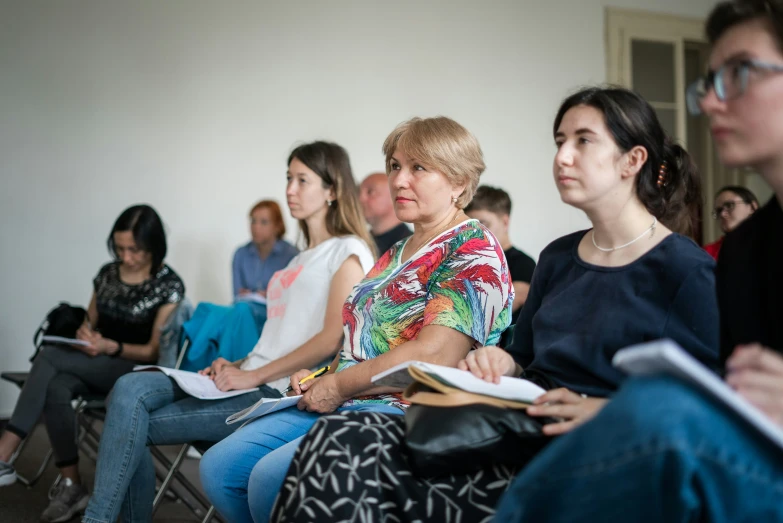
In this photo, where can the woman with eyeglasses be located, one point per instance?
(733, 205)
(661, 450)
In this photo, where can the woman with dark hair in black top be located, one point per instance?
(132, 297)
(663, 450)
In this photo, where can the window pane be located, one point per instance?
(653, 70)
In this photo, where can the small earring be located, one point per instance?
(454, 199)
(329, 203)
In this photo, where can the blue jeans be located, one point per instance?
(659, 451)
(149, 408)
(242, 474)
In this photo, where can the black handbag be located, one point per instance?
(64, 320)
(449, 431)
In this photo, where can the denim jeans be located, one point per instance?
(242, 474)
(149, 408)
(659, 451)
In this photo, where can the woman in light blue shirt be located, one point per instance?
(267, 252)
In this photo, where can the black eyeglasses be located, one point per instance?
(730, 81)
(727, 206)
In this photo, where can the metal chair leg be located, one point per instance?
(170, 476)
(210, 514)
(29, 482)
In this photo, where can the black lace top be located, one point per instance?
(127, 312)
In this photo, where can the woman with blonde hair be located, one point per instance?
(627, 280)
(431, 297)
(303, 328)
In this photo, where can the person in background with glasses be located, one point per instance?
(733, 205)
(661, 450)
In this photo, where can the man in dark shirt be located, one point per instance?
(492, 207)
(378, 208)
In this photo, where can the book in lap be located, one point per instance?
(666, 357)
(195, 384)
(513, 389)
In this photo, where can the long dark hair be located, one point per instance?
(632, 122)
(148, 233)
(330, 162)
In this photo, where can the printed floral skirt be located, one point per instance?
(353, 467)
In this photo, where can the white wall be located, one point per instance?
(192, 106)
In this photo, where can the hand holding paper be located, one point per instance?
(756, 373)
(488, 364)
(322, 396)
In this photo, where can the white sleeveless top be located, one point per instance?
(297, 297)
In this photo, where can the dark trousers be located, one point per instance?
(60, 374)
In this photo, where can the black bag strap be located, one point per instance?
(37, 342)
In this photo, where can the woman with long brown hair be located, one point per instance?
(303, 328)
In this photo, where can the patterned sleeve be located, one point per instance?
(100, 278)
(471, 291)
(172, 287)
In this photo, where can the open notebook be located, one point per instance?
(666, 357)
(195, 384)
(514, 389)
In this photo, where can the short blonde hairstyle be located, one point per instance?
(442, 144)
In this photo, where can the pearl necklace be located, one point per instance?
(650, 229)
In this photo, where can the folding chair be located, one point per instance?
(173, 473)
(89, 408)
(19, 379)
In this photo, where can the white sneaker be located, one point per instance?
(7, 474)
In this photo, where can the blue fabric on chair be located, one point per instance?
(171, 334)
(227, 331)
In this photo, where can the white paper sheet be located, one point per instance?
(262, 407)
(60, 339)
(514, 389)
(666, 357)
(195, 384)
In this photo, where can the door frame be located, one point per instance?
(623, 26)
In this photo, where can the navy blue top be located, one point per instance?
(578, 315)
(252, 273)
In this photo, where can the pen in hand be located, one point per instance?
(316, 374)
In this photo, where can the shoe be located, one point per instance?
(7, 474)
(68, 500)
